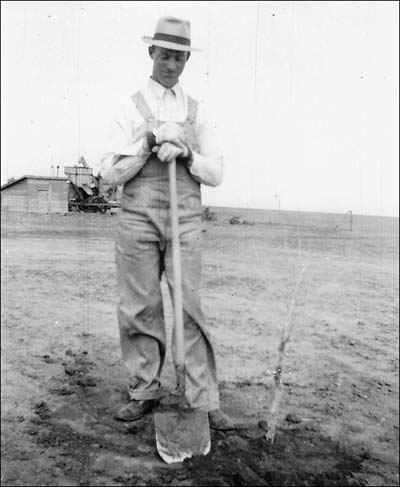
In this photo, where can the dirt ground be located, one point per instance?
(62, 377)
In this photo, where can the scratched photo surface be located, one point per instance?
(300, 243)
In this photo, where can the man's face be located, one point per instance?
(167, 65)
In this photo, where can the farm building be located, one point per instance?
(35, 194)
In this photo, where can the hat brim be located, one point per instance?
(169, 45)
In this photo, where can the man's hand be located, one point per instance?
(167, 151)
(170, 132)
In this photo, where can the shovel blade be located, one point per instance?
(182, 433)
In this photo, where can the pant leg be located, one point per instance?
(140, 308)
(201, 372)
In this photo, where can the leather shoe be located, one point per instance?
(134, 410)
(220, 421)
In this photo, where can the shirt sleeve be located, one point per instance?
(127, 149)
(207, 166)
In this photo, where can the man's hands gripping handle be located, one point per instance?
(169, 142)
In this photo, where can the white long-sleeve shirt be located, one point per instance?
(127, 137)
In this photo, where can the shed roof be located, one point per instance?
(44, 178)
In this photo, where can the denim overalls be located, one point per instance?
(143, 252)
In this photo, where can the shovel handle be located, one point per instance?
(176, 268)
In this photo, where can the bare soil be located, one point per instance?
(62, 377)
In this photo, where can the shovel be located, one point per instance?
(181, 431)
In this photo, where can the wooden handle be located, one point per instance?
(176, 266)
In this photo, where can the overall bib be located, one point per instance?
(143, 253)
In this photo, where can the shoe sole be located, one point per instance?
(132, 418)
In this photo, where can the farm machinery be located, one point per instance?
(91, 203)
(87, 192)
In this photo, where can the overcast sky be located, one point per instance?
(304, 94)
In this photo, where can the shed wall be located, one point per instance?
(13, 198)
(36, 196)
(47, 196)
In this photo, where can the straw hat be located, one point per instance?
(171, 33)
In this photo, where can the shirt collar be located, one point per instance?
(159, 90)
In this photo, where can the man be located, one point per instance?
(160, 123)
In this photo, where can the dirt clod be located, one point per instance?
(48, 359)
(293, 418)
(236, 443)
(42, 410)
(62, 391)
(249, 477)
(86, 382)
(70, 370)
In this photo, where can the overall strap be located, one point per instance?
(192, 109)
(142, 106)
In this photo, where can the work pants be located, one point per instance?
(143, 252)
